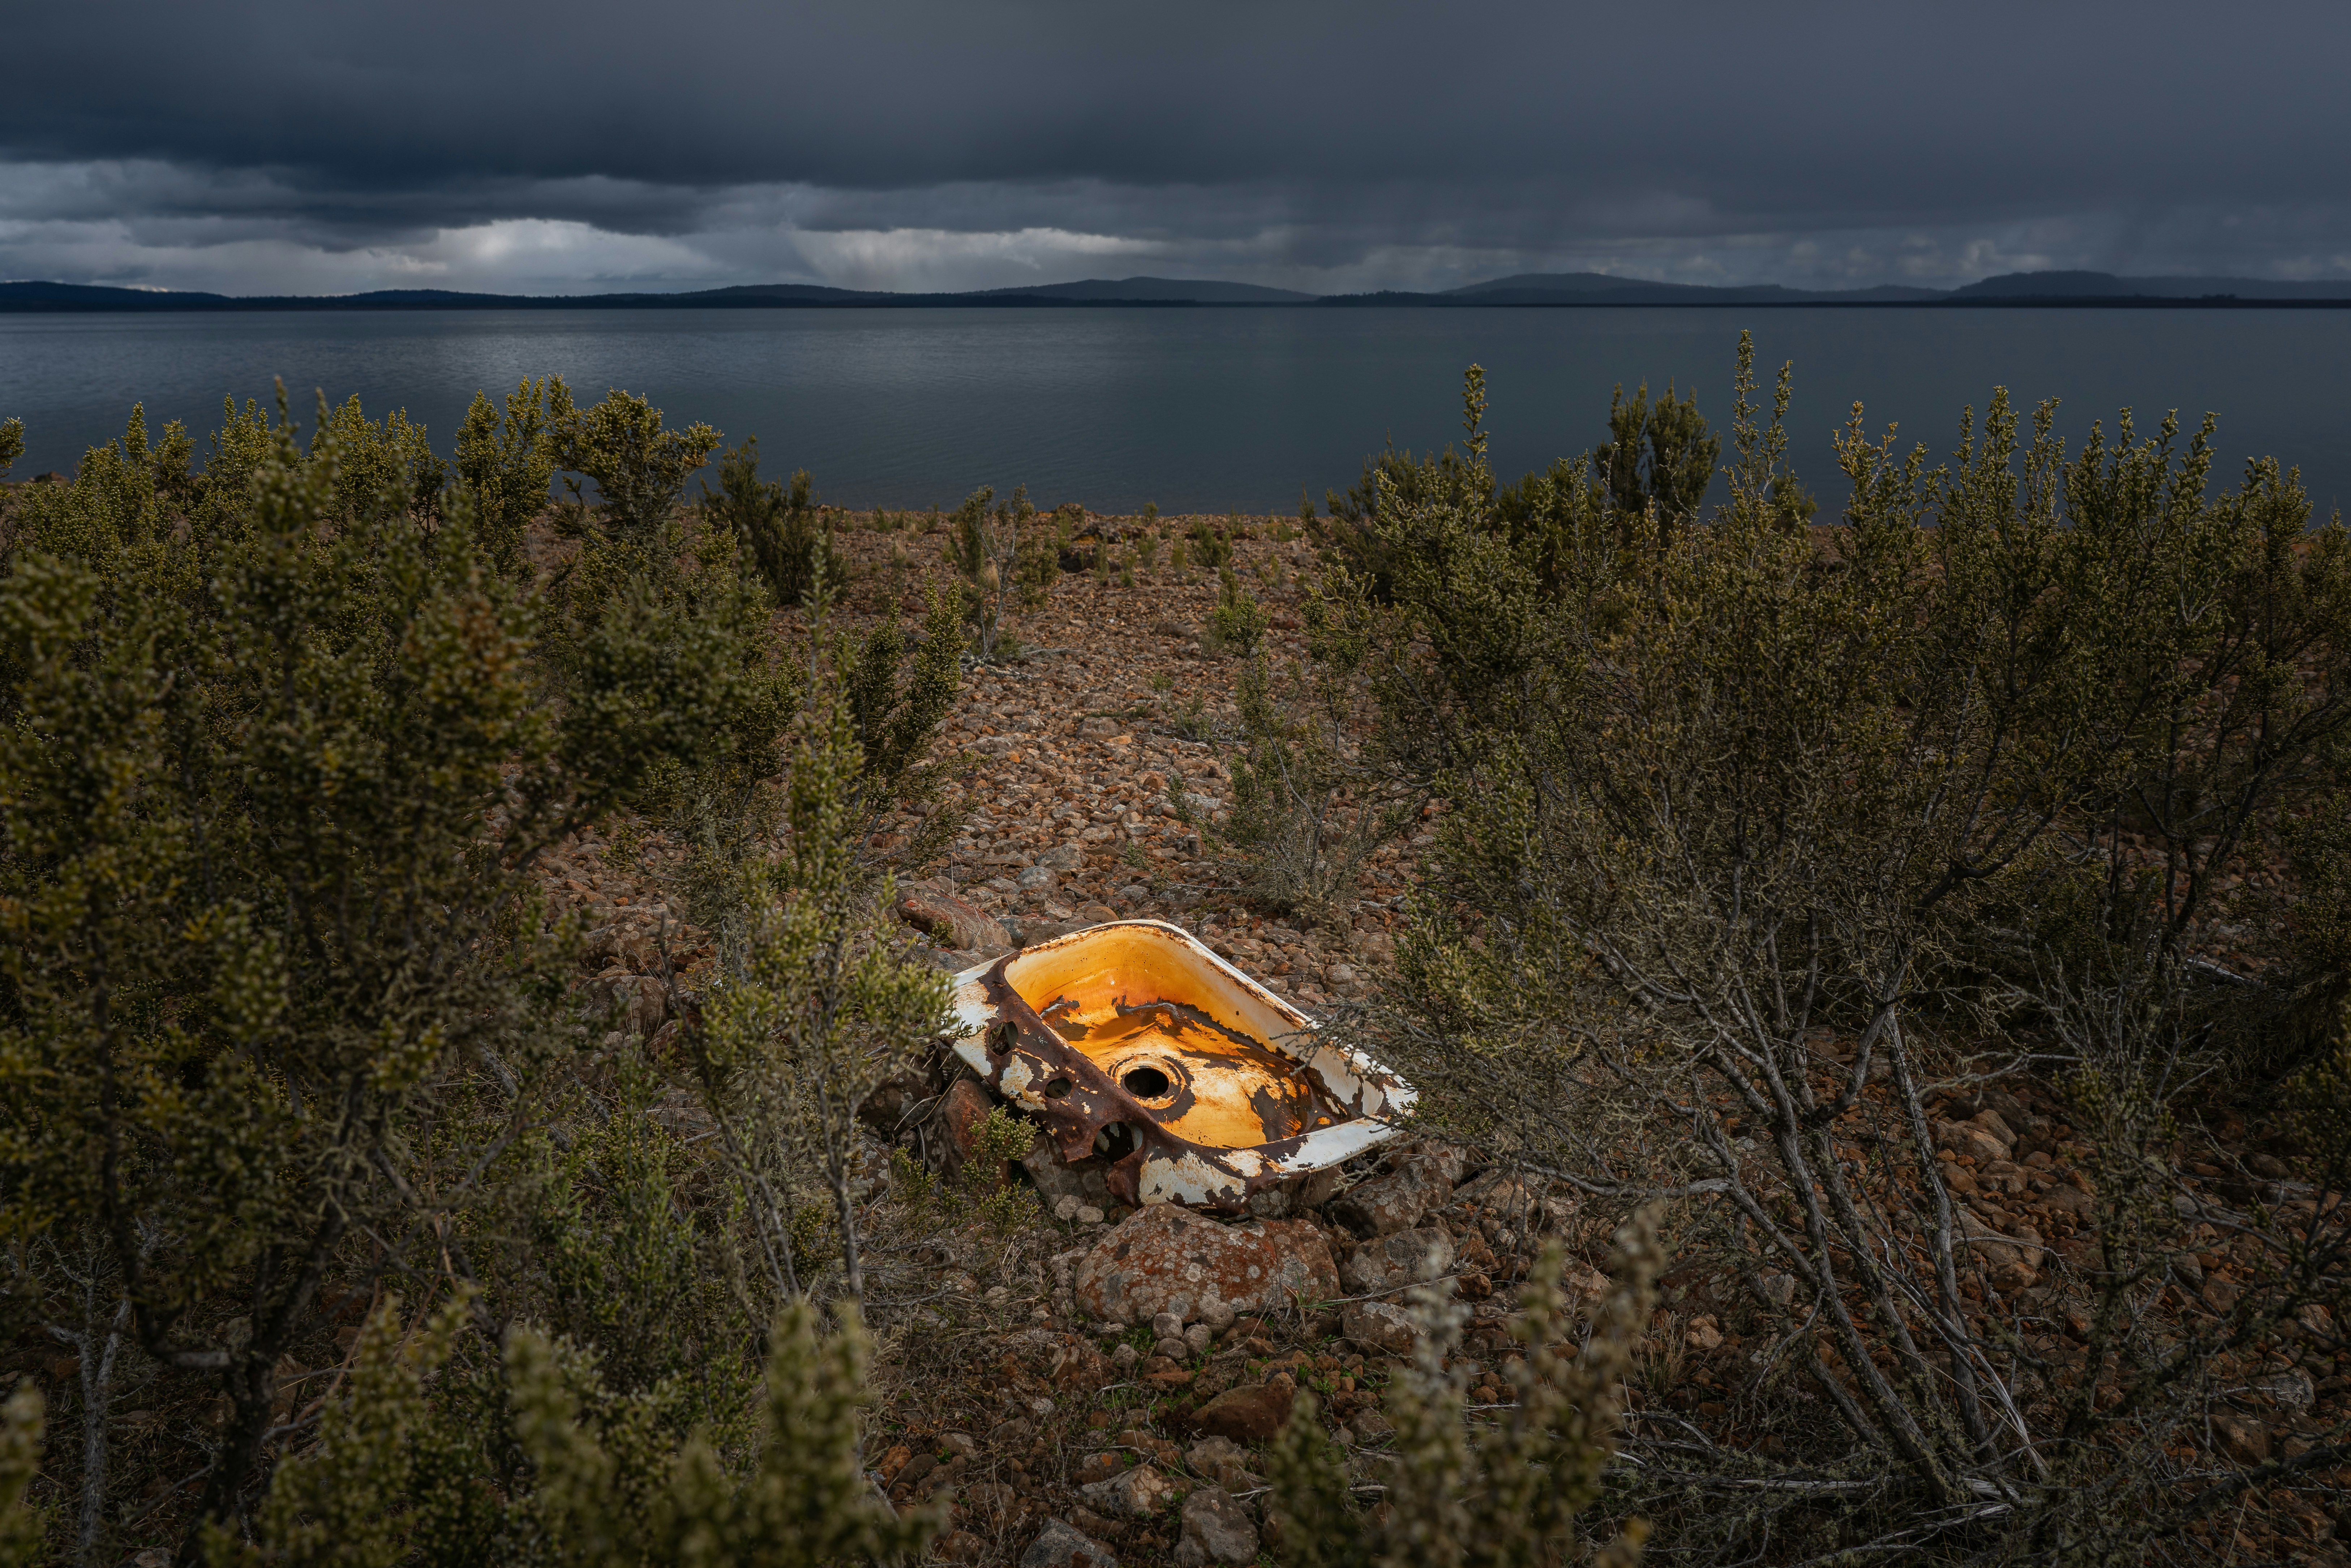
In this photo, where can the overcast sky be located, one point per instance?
(909, 144)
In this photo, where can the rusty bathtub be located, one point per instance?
(1134, 1046)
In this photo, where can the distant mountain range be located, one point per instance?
(1531, 288)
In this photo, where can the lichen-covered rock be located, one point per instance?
(1377, 1326)
(1403, 1258)
(1216, 1530)
(1420, 1180)
(636, 1004)
(1061, 1545)
(949, 921)
(961, 1108)
(1138, 1494)
(1085, 1181)
(1166, 1258)
(2011, 1259)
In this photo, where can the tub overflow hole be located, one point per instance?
(1146, 1083)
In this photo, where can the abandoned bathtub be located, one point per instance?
(1138, 1049)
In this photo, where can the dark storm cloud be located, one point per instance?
(1671, 138)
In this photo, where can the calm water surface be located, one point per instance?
(1194, 409)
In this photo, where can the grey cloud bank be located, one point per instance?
(917, 145)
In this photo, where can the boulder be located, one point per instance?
(1166, 1258)
(1071, 856)
(961, 1108)
(1967, 1138)
(631, 945)
(1085, 1184)
(1216, 1530)
(1379, 1327)
(1252, 1413)
(2064, 1198)
(1060, 1545)
(1420, 1177)
(1297, 1195)
(2242, 1439)
(2013, 1259)
(1037, 879)
(1403, 1258)
(1138, 1494)
(949, 921)
(1209, 1452)
(635, 1004)
(1993, 1123)
(890, 1107)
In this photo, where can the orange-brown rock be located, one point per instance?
(949, 921)
(1250, 1413)
(1167, 1259)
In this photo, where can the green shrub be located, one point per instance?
(780, 526)
(1005, 558)
(597, 1484)
(640, 466)
(1507, 1492)
(1715, 796)
(1307, 813)
(508, 462)
(1238, 623)
(1212, 545)
(283, 745)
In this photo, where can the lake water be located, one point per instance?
(1200, 409)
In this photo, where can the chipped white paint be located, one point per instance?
(1188, 1179)
(1015, 1080)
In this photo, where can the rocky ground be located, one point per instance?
(1070, 1386)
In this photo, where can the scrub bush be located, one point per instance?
(1949, 787)
(284, 743)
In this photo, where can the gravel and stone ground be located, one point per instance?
(1063, 1427)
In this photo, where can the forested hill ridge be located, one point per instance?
(1552, 288)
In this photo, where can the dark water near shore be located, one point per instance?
(1197, 409)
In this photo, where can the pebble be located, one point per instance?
(1062, 1545)
(1252, 1413)
(1138, 1494)
(1216, 1530)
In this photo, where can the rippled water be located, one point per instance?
(1194, 409)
